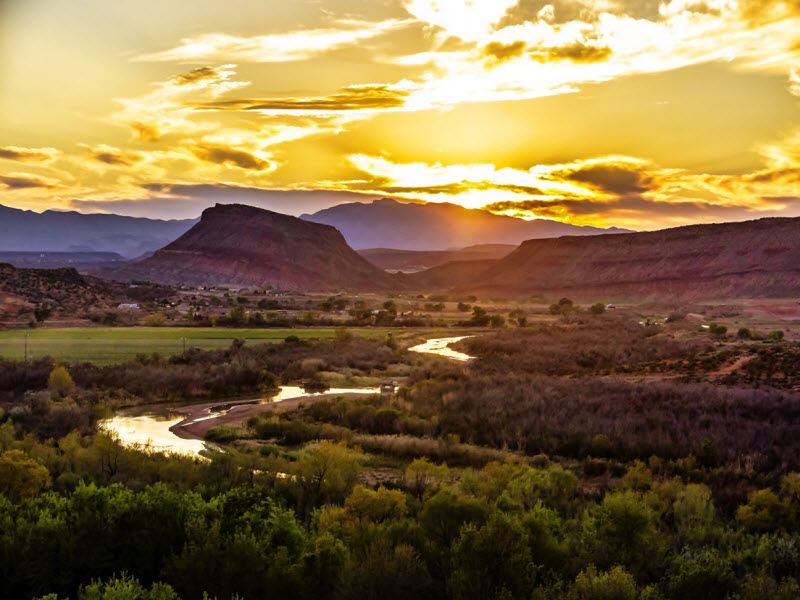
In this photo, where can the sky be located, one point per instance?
(630, 113)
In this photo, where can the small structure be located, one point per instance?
(128, 307)
(388, 388)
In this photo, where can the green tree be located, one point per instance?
(21, 477)
(598, 308)
(616, 584)
(764, 511)
(716, 330)
(492, 561)
(60, 381)
(775, 336)
(155, 320)
(326, 472)
(125, 587)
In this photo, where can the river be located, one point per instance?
(441, 347)
(150, 426)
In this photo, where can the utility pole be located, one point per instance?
(26, 346)
(184, 344)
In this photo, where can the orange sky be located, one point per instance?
(631, 113)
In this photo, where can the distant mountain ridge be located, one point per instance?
(748, 259)
(234, 244)
(54, 231)
(410, 261)
(387, 223)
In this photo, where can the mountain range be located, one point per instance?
(387, 223)
(233, 244)
(749, 259)
(411, 261)
(55, 231)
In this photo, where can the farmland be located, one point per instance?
(109, 345)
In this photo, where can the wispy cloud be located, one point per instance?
(374, 97)
(280, 47)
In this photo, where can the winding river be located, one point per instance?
(441, 347)
(150, 427)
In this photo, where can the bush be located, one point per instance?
(60, 381)
(155, 320)
(775, 336)
(597, 309)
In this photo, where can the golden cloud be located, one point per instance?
(351, 98)
(223, 155)
(24, 181)
(33, 155)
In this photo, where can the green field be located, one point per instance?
(113, 345)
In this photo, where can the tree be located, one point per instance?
(237, 315)
(616, 584)
(21, 477)
(422, 477)
(565, 306)
(706, 577)
(775, 336)
(492, 561)
(597, 309)
(326, 472)
(60, 381)
(497, 321)
(376, 505)
(744, 334)
(480, 317)
(125, 587)
(155, 320)
(718, 331)
(42, 313)
(764, 511)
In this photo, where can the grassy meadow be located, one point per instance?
(109, 345)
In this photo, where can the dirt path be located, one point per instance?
(732, 367)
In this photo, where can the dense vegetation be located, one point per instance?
(594, 458)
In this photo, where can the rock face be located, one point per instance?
(242, 245)
(387, 223)
(750, 259)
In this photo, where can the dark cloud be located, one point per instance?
(223, 155)
(351, 98)
(26, 154)
(23, 182)
(577, 52)
(613, 179)
(501, 52)
(199, 74)
(633, 206)
(115, 158)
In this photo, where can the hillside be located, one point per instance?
(62, 290)
(750, 259)
(387, 223)
(411, 261)
(60, 260)
(235, 244)
(54, 231)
